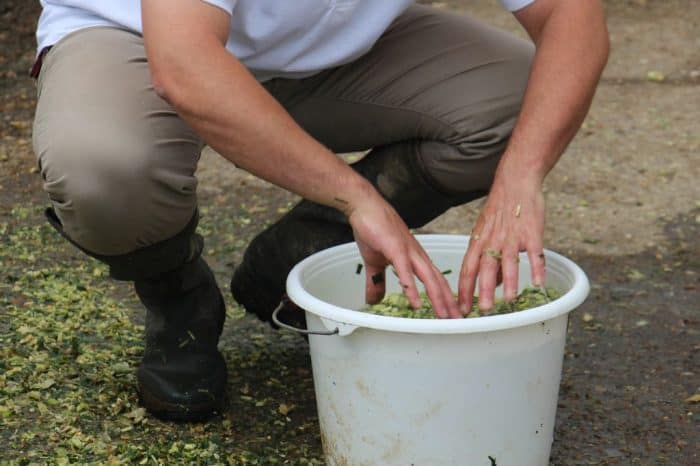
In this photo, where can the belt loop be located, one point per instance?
(36, 68)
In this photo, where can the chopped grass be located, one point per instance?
(69, 347)
(397, 305)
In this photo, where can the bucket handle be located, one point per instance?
(278, 322)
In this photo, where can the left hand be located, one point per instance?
(511, 221)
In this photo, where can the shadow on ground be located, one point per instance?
(632, 358)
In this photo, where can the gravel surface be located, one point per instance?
(624, 203)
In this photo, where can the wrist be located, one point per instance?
(356, 191)
(518, 169)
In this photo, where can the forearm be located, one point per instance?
(240, 120)
(572, 49)
(224, 104)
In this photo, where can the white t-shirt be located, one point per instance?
(273, 38)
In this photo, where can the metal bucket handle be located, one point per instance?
(279, 323)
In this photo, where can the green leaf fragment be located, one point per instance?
(397, 304)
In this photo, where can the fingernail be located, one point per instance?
(463, 309)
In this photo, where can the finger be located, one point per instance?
(467, 278)
(509, 269)
(488, 268)
(437, 287)
(406, 279)
(449, 296)
(537, 264)
(375, 283)
(471, 263)
(434, 290)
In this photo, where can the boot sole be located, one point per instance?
(168, 411)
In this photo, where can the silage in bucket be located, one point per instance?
(462, 392)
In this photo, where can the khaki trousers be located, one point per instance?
(119, 164)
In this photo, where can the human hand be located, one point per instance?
(511, 221)
(383, 239)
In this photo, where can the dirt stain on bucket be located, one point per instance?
(330, 451)
(332, 455)
(363, 389)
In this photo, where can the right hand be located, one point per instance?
(383, 239)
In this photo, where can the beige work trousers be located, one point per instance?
(119, 164)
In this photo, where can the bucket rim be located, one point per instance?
(334, 316)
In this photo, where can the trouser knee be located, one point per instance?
(117, 161)
(467, 159)
(114, 198)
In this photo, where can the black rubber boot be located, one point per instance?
(182, 375)
(258, 282)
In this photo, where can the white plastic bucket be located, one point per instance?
(463, 392)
